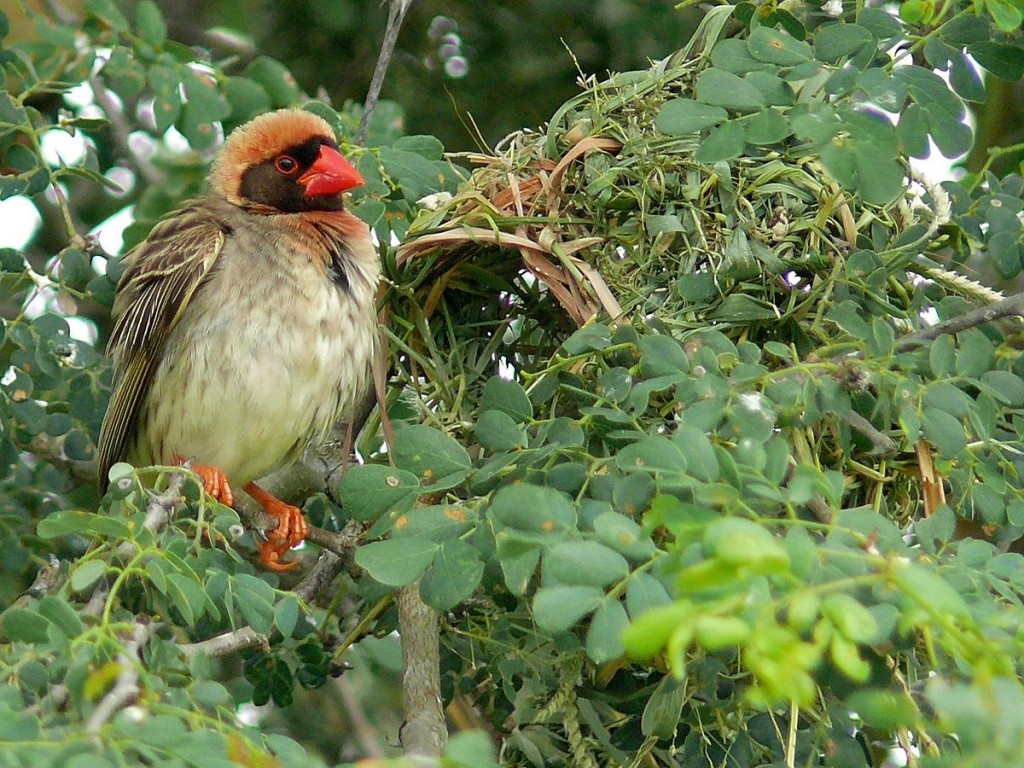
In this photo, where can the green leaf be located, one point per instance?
(965, 79)
(556, 609)
(276, 80)
(107, 12)
(533, 508)
(717, 632)
(846, 656)
(881, 23)
(517, 564)
(859, 165)
(724, 143)
(426, 146)
(286, 614)
(247, 99)
(204, 107)
(657, 455)
(368, 491)
(25, 626)
(682, 116)
(887, 710)
(586, 563)
(507, 396)
(469, 749)
(645, 593)
(416, 176)
(595, 336)
(61, 614)
(647, 635)
(497, 431)
(87, 573)
(1006, 14)
(454, 575)
(776, 47)
(150, 21)
(944, 431)
(604, 636)
(940, 356)
(1000, 59)
(187, 597)
(776, 91)
(850, 618)
(833, 42)
(624, 536)
(429, 454)
(924, 586)
(166, 86)
(740, 542)
(439, 523)
(69, 522)
(716, 87)
(976, 354)
(1004, 386)
(698, 453)
(768, 127)
(661, 715)
(396, 562)
(662, 356)
(743, 308)
(816, 123)
(732, 55)
(943, 109)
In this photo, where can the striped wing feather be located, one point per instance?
(164, 273)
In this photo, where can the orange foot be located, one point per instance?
(291, 529)
(215, 482)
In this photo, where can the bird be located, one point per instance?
(244, 324)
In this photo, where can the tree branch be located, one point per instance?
(227, 643)
(881, 445)
(326, 570)
(396, 15)
(424, 731)
(1012, 305)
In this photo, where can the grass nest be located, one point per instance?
(602, 215)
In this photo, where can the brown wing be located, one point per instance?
(164, 273)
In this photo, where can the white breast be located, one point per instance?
(267, 373)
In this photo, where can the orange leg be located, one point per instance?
(291, 528)
(215, 482)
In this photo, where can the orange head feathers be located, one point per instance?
(287, 161)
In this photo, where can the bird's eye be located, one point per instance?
(286, 164)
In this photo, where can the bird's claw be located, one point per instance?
(291, 529)
(214, 481)
(270, 557)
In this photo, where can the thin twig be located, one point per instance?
(396, 15)
(328, 566)
(1012, 305)
(126, 687)
(227, 643)
(326, 570)
(881, 445)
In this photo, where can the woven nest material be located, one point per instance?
(613, 218)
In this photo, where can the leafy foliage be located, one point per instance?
(761, 517)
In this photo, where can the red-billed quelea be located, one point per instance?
(244, 325)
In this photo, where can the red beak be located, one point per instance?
(330, 174)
